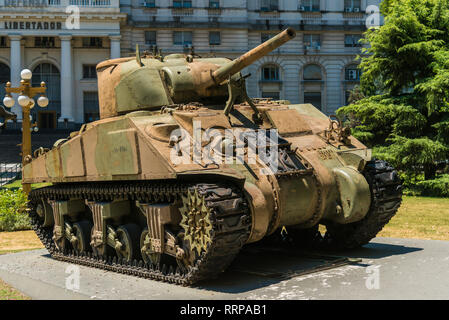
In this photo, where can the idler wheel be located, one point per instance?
(129, 237)
(82, 232)
(45, 213)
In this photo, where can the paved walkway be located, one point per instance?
(390, 269)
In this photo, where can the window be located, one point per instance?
(270, 73)
(149, 4)
(214, 4)
(309, 5)
(44, 42)
(352, 40)
(265, 37)
(269, 5)
(182, 37)
(352, 6)
(91, 106)
(182, 3)
(272, 95)
(50, 74)
(312, 72)
(5, 74)
(214, 38)
(352, 73)
(313, 98)
(150, 37)
(89, 72)
(2, 42)
(312, 41)
(92, 42)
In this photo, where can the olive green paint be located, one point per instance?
(71, 207)
(115, 153)
(295, 204)
(355, 195)
(28, 171)
(308, 110)
(65, 155)
(142, 88)
(53, 163)
(115, 210)
(246, 170)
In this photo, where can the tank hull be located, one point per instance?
(326, 183)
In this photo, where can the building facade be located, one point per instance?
(60, 41)
(317, 67)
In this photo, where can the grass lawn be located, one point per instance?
(9, 293)
(18, 184)
(18, 241)
(420, 218)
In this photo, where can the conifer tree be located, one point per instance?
(405, 80)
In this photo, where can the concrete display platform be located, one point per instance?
(390, 269)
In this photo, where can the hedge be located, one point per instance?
(13, 214)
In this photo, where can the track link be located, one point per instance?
(230, 217)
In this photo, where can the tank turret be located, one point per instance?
(237, 65)
(150, 82)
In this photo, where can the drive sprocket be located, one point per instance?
(196, 221)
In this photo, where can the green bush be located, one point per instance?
(438, 187)
(413, 181)
(13, 215)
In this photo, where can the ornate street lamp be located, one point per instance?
(26, 93)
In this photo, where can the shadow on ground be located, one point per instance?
(254, 269)
(375, 250)
(258, 267)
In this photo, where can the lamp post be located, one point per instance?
(26, 93)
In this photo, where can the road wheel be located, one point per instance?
(129, 236)
(82, 232)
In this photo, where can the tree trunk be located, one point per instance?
(430, 172)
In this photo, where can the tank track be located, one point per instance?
(230, 218)
(386, 198)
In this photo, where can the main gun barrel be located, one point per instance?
(251, 56)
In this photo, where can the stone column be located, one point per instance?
(332, 98)
(16, 68)
(363, 5)
(115, 46)
(66, 79)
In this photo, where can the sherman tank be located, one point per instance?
(183, 169)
